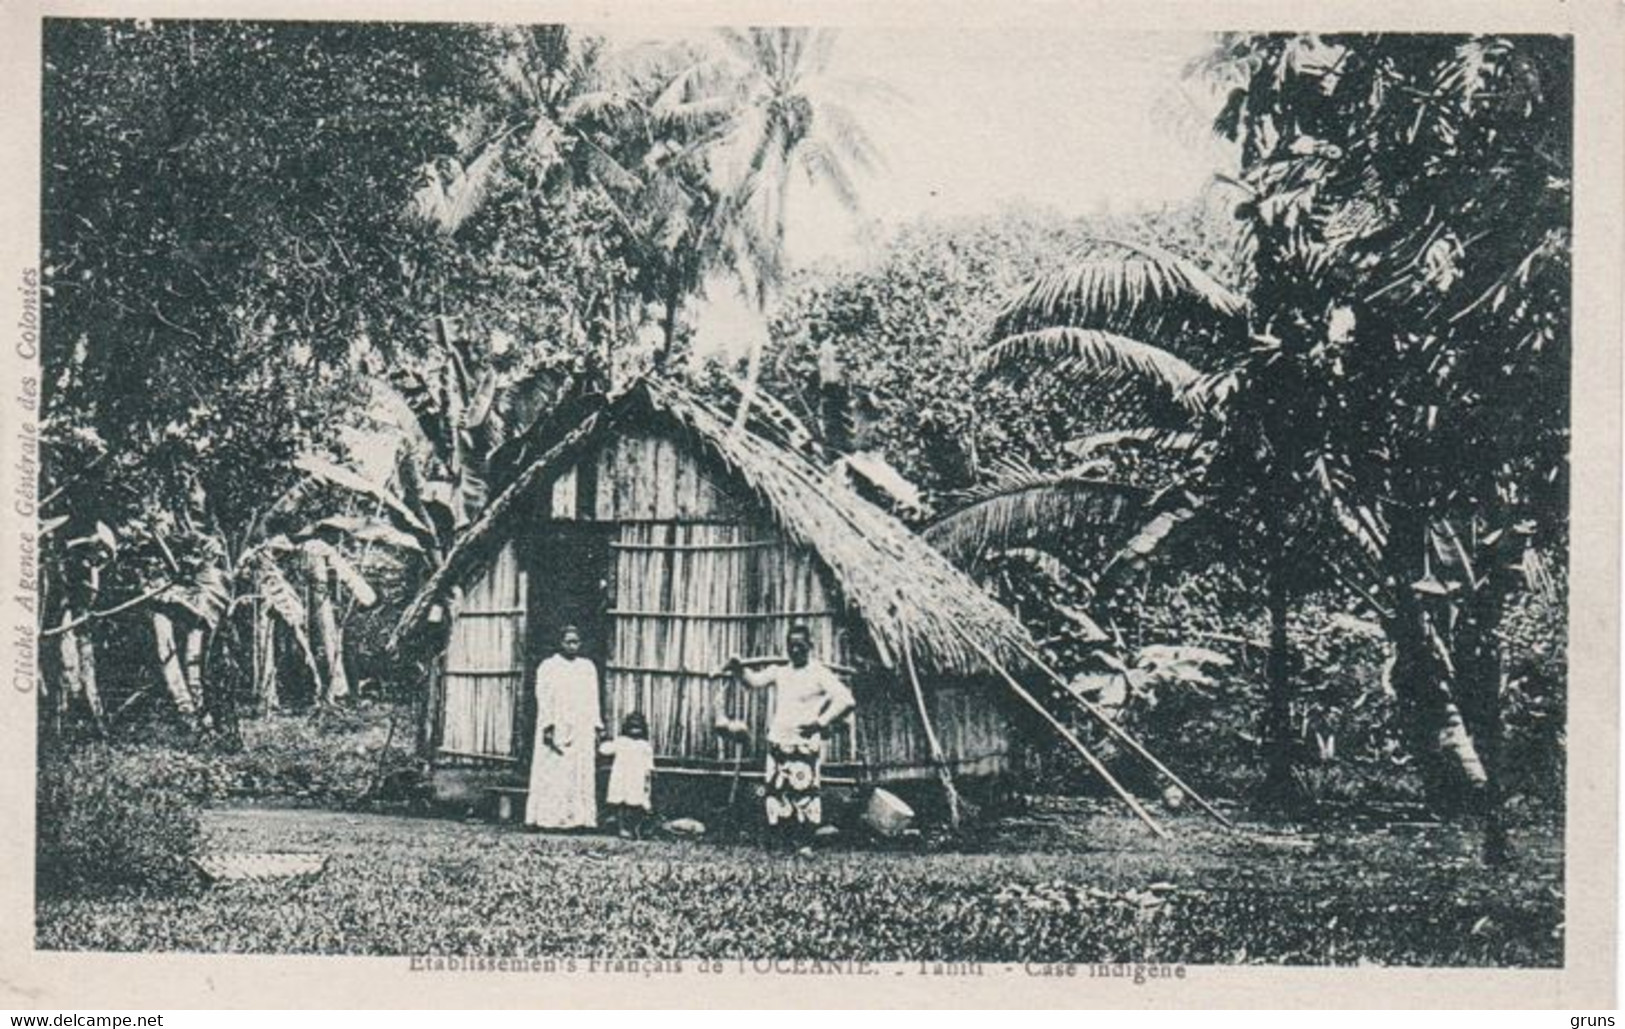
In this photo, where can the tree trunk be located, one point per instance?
(88, 682)
(668, 325)
(337, 686)
(1444, 747)
(1480, 679)
(1483, 715)
(192, 654)
(834, 402)
(1280, 786)
(753, 376)
(169, 663)
(428, 712)
(266, 696)
(78, 653)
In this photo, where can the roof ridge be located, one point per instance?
(905, 590)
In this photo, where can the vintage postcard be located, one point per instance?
(1070, 505)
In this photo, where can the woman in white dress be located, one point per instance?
(563, 773)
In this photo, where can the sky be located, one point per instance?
(969, 121)
(1079, 121)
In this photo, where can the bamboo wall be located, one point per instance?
(644, 477)
(698, 573)
(970, 725)
(485, 661)
(689, 596)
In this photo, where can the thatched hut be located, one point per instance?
(674, 540)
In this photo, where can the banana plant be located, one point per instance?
(324, 571)
(287, 577)
(291, 579)
(1150, 676)
(74, 563)
(452, 422)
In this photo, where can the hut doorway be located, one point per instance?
(570, 584)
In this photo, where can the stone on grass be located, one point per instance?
(886, 814)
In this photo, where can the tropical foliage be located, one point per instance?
(319, 388)
(1277, 477)
(1387, 407)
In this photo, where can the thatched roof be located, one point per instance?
(905, 592)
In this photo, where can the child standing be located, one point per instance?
(630, 776)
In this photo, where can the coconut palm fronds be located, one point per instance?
(1089, 359)
(1021, 507)
(1096, 444)
(1145, 292)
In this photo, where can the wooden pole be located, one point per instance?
(1066, 734)
(69, 626)
(1133, 744)
(739, 767)
(937, 757)
(735, 746)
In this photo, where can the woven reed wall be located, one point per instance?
(698, 573)
(642, 477)
(971, 727)
(484, 669)
(687, 597)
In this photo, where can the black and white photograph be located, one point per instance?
(615, 500)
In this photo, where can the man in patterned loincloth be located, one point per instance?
(810, 699)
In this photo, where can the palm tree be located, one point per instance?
(1433, 177)
(789, 116)
(679, 219)
(552, 100)
(696, 149)
(1239, 430)
(1372, 410)
(561, 124)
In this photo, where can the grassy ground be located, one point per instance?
(1069, 881)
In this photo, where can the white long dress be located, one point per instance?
(563, 786)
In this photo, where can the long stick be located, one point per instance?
(383, 755)
(1133, 744)
(739, 766)
(734, 745)
(1066, 734)
(937, 756)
